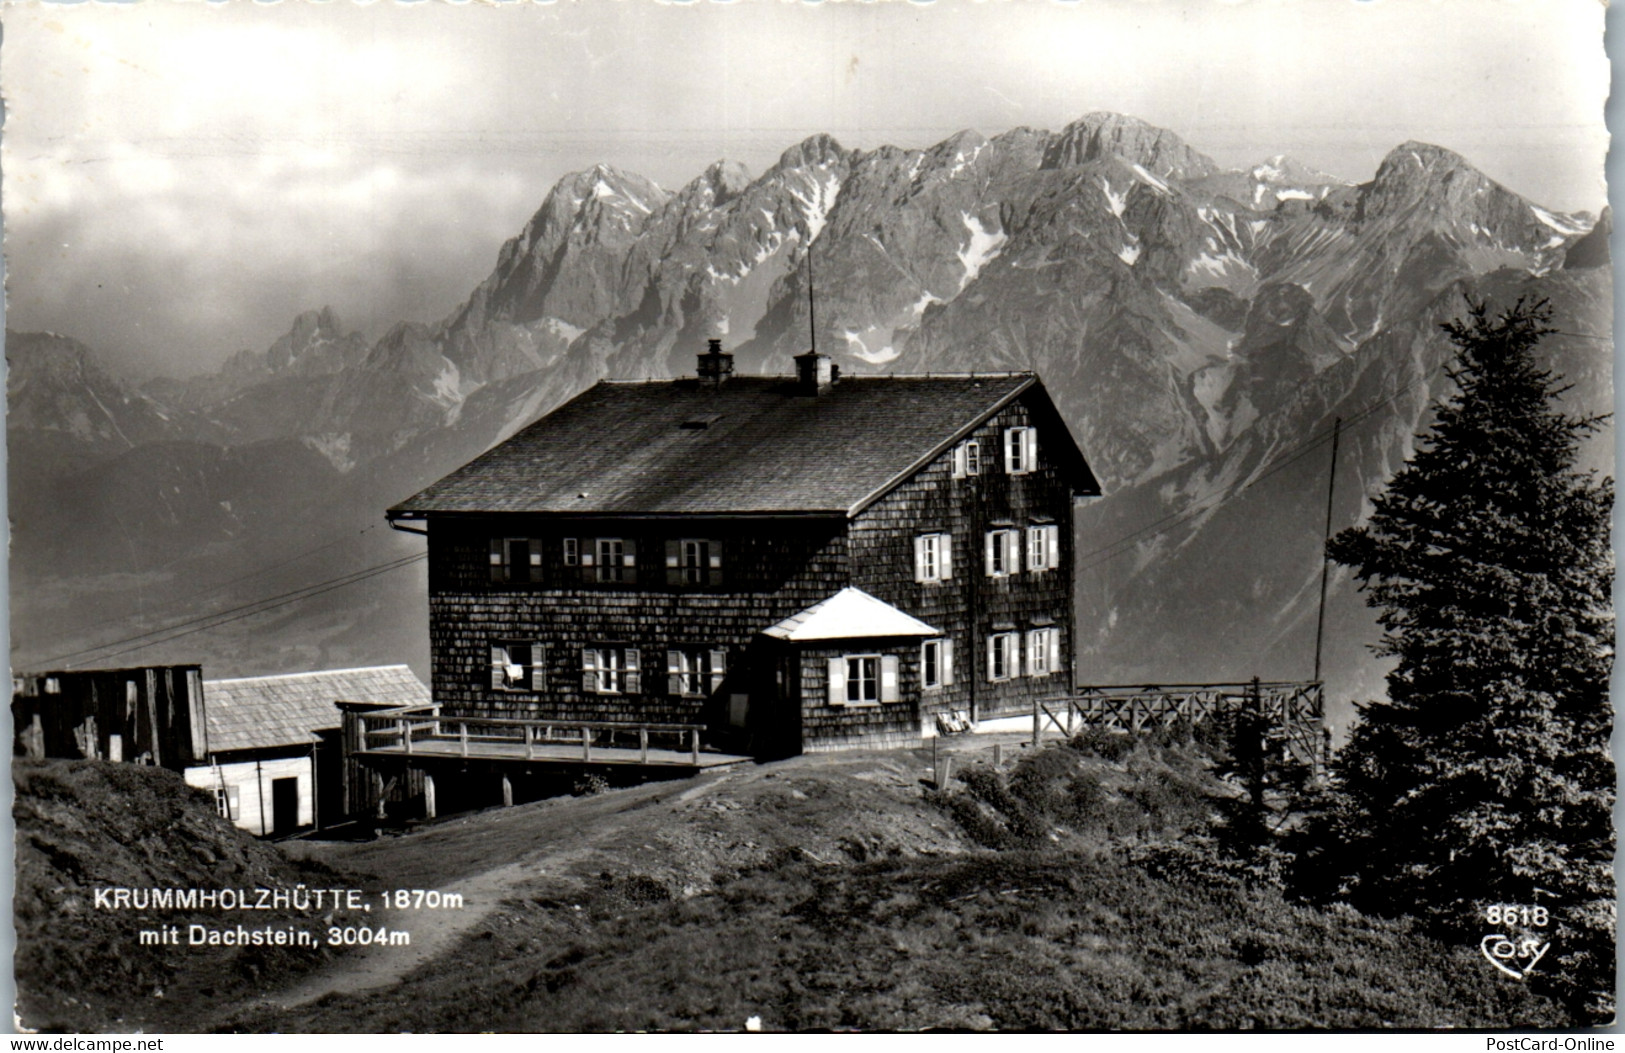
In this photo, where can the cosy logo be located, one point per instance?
(1515, 955)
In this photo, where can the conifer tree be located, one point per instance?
(1485, 777)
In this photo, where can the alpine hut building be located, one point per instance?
(789, 564)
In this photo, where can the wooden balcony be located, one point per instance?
(422, 732)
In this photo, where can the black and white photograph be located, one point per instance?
(805, 515)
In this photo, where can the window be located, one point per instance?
(1043, 547)
(693, 562)
(610, 671)
(515, 559)
(936, 664)
(572, 552)
(606, 559)
(863, 679)
(1002, 656)
(1002, 552)
(1020, 450)
(1043, 652)
(933, 557)
(695, 672)
(967, 459)
(517, 665)
(227, 801)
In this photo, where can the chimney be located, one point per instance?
(716, 365)
(815, 373)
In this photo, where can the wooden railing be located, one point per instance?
(424, 729)
(1297, 708)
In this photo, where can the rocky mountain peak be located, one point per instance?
(1098, 135)
(811, 152)
(317, 343)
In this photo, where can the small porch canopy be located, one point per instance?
(849, 614)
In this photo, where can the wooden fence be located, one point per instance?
(1293, 710)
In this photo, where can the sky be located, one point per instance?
(181, 179)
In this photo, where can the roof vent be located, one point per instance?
(715, 365)
(701, 423)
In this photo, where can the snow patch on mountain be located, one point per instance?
(925, 300)
(858, 349)
(335, 447)
(562, 329)
(1115, 202)
(1152, 181)
(1129, 254)
(1564, 226)
(824, 190)
(983, 248)
(961, 162)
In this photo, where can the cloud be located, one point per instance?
(182, 178)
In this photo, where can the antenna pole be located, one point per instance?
(1326, 562)
(812, 317)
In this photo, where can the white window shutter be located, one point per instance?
(837, 681)
(589, 670)
(1029, 449)
(960, 470)
(945, 556)
(715, 557)
(538, 666)
(634, 678)
(496, 559)
(945, 662)
(1055, 650)
(1010, 448)
(1030, 655)
(919, 559)
(889, 691)
(719, 668)
(674, 673)
(988, 541)
(1012, 550)
(992, 648)
(499, 660)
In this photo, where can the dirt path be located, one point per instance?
(477, 852)
(682, 834)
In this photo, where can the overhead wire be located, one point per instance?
(177, 630)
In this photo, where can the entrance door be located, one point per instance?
(284, 806)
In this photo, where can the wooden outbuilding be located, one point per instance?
(276, 763)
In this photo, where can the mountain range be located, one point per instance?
(1203, 330)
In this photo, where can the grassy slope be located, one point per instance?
(1110, 919)
(83, 825)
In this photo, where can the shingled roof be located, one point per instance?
(752, 445)
(262, 712)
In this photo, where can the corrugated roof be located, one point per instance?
(680, 447)
(849, 614)
(261, 712)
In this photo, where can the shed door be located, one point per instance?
(284, 806)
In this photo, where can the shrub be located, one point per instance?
(1110, 744)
